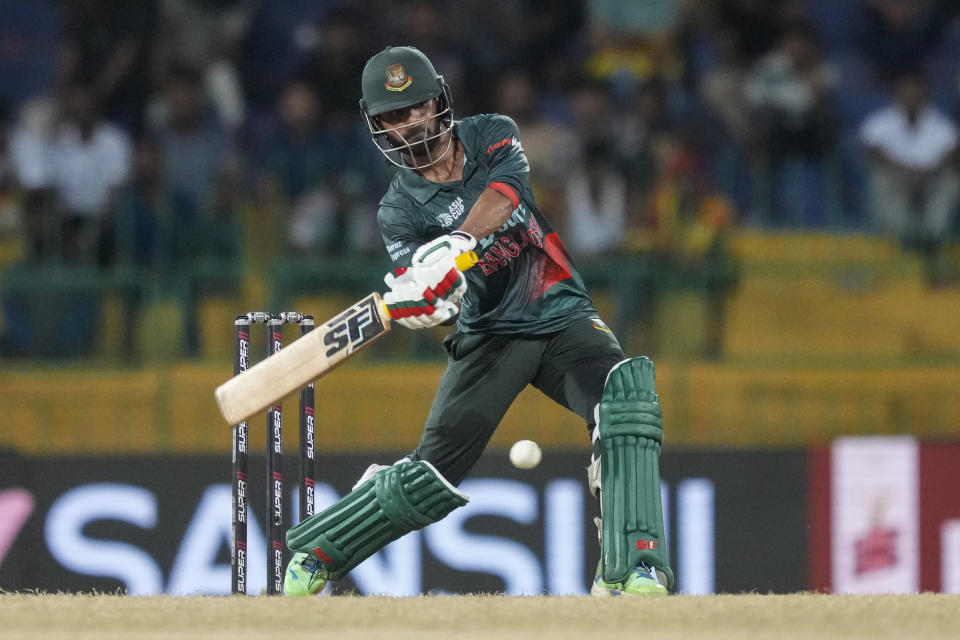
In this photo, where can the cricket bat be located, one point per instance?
(309, 357)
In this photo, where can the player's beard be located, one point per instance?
(424, 143)
(419, 144)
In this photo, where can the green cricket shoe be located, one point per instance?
(642, 581)
(305, 575)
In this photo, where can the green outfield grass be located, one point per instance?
(483, 617)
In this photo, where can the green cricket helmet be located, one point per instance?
(400, 77)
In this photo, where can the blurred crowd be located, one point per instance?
(156, 135)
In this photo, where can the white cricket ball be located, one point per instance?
(525, 454)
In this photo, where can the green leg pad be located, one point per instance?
(397, 500)
(631, 431)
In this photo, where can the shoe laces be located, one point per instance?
(310, 564)
(643, 570)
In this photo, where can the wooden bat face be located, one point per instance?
(309, 357)
(306, 359)
(356, 327)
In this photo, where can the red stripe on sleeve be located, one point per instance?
(506, 190)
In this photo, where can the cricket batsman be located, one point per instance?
(522, 317)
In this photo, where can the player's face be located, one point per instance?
(415, 130)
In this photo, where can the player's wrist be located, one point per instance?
(466, 242)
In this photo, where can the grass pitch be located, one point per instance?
(483, 617)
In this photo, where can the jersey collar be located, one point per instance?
(422, 189)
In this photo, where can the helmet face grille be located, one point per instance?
(417, 154)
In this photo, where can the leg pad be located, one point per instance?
(631, 430)
(402, 498)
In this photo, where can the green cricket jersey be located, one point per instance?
(525, 282)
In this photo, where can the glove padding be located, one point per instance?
(435, 265)
(408, 305)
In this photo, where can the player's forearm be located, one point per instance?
(488, 213)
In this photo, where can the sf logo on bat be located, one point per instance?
(353, 328)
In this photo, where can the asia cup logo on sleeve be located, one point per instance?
(397, 78)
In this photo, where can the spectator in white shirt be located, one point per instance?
(914, 183)
(596, 202)
(788, 93)
(30, 151)
(90, 161)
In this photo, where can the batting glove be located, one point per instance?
(435, 267)
(412, 305)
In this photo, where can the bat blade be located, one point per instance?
(306, 359)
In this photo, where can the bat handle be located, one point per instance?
(467, 260)
(464, 262)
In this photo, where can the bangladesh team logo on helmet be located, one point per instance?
(400, 77)
(397, 78)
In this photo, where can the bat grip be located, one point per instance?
(464, 261)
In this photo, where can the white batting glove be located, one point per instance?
(408, 306)
(434, 265)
